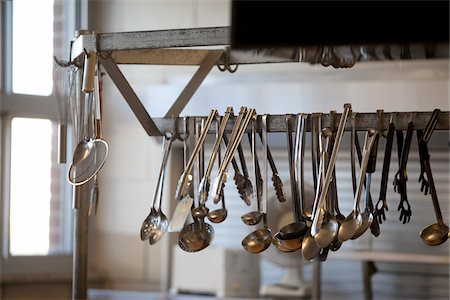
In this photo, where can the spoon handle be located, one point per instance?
(368, 143)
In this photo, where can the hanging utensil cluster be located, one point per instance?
(177, 47)
(317, 229)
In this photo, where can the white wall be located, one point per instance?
(129, 176)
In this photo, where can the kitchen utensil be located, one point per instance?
(246, 187)
(156, 223)
(291, 235)
(353, 221)
(367, 216)
(219, 215)
(236, 135)
(254, 217)
(330, 167)
(437, 233)
(276, 180)
(186, 177)
(260, 239)
(206, 180)
(183, 207)
(91, 152)
(63, 79)
(381, 205)
(424, 138)
(243, 184)
(401, 176)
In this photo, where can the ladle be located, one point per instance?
(437, 233)
(155, 225)
(219, 215)
(310, 249)
(291, 235)
(260, 239)
(197, 235)
(328, 226)
(329, 169)
(254, 217)
(354, 220)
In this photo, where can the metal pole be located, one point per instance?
(316, 284)
(80, 249)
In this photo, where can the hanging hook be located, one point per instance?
(227, 66)
(381, 128)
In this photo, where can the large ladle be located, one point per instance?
(329, 170)
(254, 217)
(197, 235)
(291, 235)
(219, 215)
(437, 233)
(260, 239)
(354, 220)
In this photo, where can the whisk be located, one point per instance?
(63, 79)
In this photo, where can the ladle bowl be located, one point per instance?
(367, 219)
(252, 218)
(349, 227)
(310, 249)
(327, 233)
(293, 230)
(218, 215)
(258, 240)
(200, 211)
(435, 234)
(194, 238)
(278, 243)
(289, 244)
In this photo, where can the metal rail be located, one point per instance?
(276, 123)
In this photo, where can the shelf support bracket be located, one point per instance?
(130, 96)
(211, 59)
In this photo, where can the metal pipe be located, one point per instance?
(80, 249)
(276, 123)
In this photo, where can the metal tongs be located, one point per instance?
(186, 177)
(244, 117)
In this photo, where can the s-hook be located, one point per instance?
(227, 66)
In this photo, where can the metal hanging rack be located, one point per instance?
(177, 47)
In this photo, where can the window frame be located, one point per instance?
(29, 106)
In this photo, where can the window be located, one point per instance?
(36, 198)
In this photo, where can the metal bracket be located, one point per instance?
(130, 96)
(211, 58)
